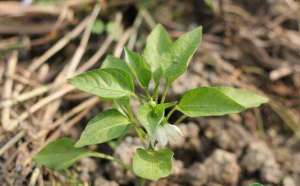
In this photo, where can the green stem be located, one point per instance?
(171, 112)
(180, 119)
(165, 92)
(138, 98)
(155, 92)
(148, 93)
(141, 182)
(111, 158)
(138, 130)
(120, 107)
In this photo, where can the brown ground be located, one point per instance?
(252, 44)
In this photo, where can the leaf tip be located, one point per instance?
(78, 144)
(71, 80)
(264, 99)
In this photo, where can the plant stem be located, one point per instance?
(138, 130)
(120, 107)
(171, 112)
(138, 98)
(141, 182)
(180, 119)
(155, 92)
(147, 93)
(165, 92)
(111, 158)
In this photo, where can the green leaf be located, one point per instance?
(209, 3)
(175, 61)
(152, 165)
(139, 67)
(98, 27)
(114, 29)
(61, 154)
(113, 62)
(104, 127)
(117, 63)
(163, 106)
(157, 43)
(150, 118)
(106, 83)
(216, 101)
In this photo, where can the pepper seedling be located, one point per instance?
(161, 62)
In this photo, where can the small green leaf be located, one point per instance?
(139, 67)
(104, 127)
(150, 117)
(61, 154)
(113, 62)
(163, 106)
(157, 43)
(114, 30)
(216, 101)
(106, 83)
(209, 3)
(98, 27)
(152, 165)
(174, 62)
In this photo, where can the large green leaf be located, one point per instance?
(61, 154)
(150, 117)
(106, 83)
(216, 101)
(117, 63)
(139, 67)
(104, 127)
(158, 42)
(152, 165)
(174, 62)
(113, 62)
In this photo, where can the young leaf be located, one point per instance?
(114, 29)
(174, 62)
(139, 67)
(104, 127)
(152, 165)
(61, 154)
(157, 43)
(98, 27)
(107, 83)
(209, 3)
(216, 101)
(113, 62)
(163, 106)
(150, 117)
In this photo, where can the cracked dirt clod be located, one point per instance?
(196, 174)
(100, 181)
(230, 136)
(288, 181)
(220, 168)
(178, 168)
(259, 157)
(125, 152)
(190, 138)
